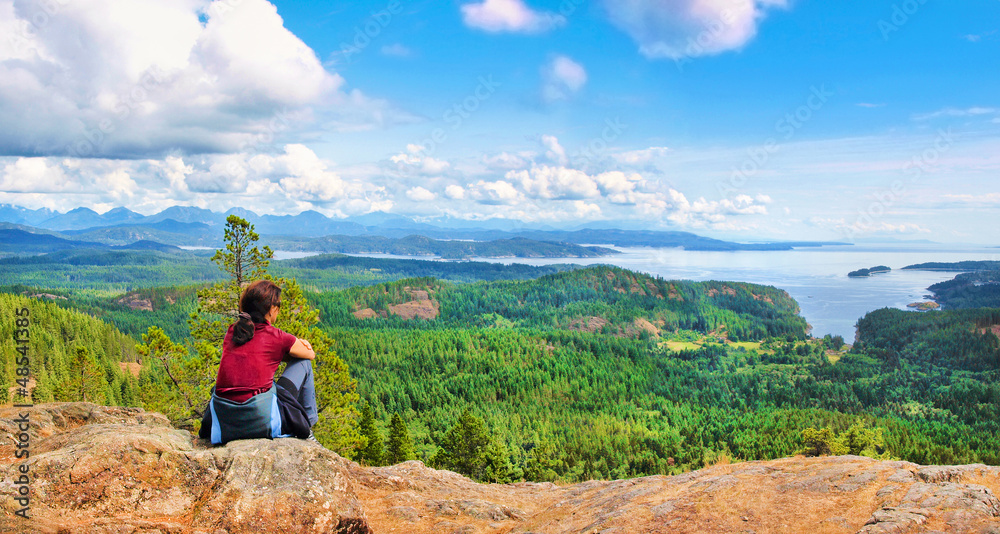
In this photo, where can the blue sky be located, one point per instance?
(743, 119)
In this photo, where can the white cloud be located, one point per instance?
(559, 183)
(561, 78)
(554, 151)
(419, 194)
(151, 77)
(33, 175)
(586, 211)
(506, 161)
(984, 198)
(51, 176)
(701, 213)
(497, 16)
(629, 192)
(975, 111)
(414, 160)
(455, 192)
(974, 38)
(119, 185)
(308, 176)
(288, 182)
(677, 29)
(496, 192)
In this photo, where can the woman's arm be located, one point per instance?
(302, 350)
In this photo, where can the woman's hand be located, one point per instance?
(302, 349)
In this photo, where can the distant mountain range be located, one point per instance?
(313, 231)
(17, 241)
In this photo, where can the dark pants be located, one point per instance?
(300, 373)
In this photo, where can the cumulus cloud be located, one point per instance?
(689, 28)
(455, 192)
(561, 78)
(559, 183)
(34, 175)
(48, 176)
(641, 157)
(497, 16)
(506, 161)
(308, 176)
(495, 192)
(145, 78)
(288, 182)
(414, 160)
(586, 210)
(631, 193)
(554, 151)
(419, 194)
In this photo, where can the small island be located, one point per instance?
(924, 306)
(869, 271)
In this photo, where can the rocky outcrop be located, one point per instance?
(121, 470)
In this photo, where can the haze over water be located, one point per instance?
(817, 278)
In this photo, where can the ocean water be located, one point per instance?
(831, 302)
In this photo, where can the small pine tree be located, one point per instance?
(86, 381)
(464, 446)
(372, 452)
(400, 447)
(497, 468)
(543, 462)
(175, 400)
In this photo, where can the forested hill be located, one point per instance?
(977, 285)
(601, 298)
(517, 247)
(958, 266)
(72, 356)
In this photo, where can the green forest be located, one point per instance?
(519, 373)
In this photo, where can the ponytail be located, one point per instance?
(243, 329)
(256, 302)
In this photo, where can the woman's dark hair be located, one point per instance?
(255, 303)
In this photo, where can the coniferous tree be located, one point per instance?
(543, 462)
(463, 448)
(176, 396)
(372, 453)
(86, 381)
(400, 447)
(496, 463)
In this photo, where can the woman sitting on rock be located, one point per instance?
(246, 401)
